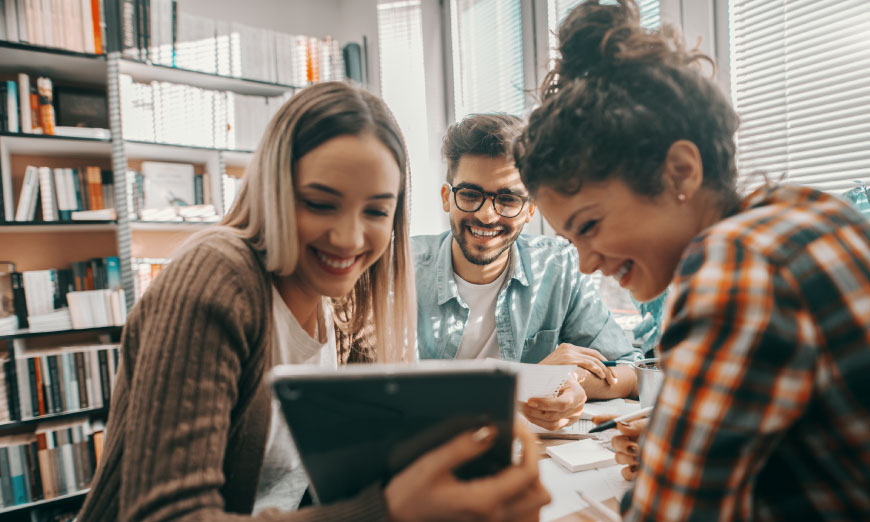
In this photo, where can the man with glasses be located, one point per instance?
(485, 290)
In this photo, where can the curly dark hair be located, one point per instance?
(485, 134)
(617, 99)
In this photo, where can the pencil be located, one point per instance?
(639, 414)
(603, 511)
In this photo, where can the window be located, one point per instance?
(557, 10)
(403, 87)
(487, 43)
(800, 80)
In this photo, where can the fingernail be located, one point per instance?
(623, 423)
(633, 468)
(481, 434)
(615, 380)
(632, 449)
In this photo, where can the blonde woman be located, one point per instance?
(320, 226)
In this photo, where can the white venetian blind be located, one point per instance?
(403, 87)
(487, 56)
(800, 80)
(557, 10)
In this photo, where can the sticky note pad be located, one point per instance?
(582, 455)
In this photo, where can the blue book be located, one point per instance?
(12, 106)
(18, 478)
(113, 272)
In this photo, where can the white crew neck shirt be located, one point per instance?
(282, 477)
(480, 338)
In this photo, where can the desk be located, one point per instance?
(605, 485)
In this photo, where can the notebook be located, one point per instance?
(612, 406)
(537, 380)
(582, 455)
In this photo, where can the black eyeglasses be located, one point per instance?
(471, 200)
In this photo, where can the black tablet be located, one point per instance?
(364, 423)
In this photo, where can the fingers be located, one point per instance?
(626, 445)
(528, 504)
(456, 451)
(593, 366)
(632, 429)
(598, 419)
(629, 472)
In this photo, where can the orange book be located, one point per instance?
(98, 445)
(46, 109)
(40, 399)
(95, 188)
(44, 466)
(35, 115)
(98, 33)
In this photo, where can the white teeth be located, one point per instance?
(332, 262)
(483, 232)
(622, 271)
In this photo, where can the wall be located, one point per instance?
(310, 17)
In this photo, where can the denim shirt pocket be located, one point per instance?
(540, 345)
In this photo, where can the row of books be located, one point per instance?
(76, 25)
(165, 191)
(180, 114)
(37, 297)
(33, 106)
(156, 31)
(49, 463)
(57, 380)
(146, 269)
(65, 194)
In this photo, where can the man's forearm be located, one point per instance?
(598, 388)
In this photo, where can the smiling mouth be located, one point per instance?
(622, 272)
(335, 264)
(483, 233)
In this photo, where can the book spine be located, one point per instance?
(23, 376)
(40, 386)
(34, 396)
(105, 379)
(96, 17)
(24, 102)
(12, 390)
(57, 397)
(80, 379)
(35, 472)
(6, 478)
(47, 390)
(45, 471)
(19, 300)
(16, 474)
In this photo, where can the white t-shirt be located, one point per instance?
(479, 339)
(282, 478)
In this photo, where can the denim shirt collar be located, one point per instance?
(447, 289)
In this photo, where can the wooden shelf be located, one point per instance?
(58, 64)
(30, 227)
(167, 151)
(6, 426)
(146, 72)
(50, 145)
(26, 332)
(38, 503)
(170, 226)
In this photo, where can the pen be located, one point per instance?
(639, 414)
(603, 511)
(610, 363)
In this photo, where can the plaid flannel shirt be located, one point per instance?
(764, 412)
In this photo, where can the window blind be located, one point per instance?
(403, 83)
(800, 80)
(487, 42)
(557, 10)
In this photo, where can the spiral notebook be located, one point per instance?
(537, 380)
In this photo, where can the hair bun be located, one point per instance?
(596, 38)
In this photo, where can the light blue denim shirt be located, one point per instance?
(545, 301)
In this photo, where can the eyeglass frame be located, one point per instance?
(491, 196)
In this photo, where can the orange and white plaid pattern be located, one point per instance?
(764, 413)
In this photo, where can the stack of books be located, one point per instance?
(66, 194)
(50, 463)
(59, 380)
(157, 31)
(165, 112)
(75, 25)
(147, 269)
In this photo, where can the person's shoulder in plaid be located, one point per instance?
(765, 409)
(764, 412)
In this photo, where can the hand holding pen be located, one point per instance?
(625, 444)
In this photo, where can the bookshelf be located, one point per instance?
(40, 245)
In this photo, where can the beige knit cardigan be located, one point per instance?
(190, 414)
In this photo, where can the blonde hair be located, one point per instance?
(264, 210)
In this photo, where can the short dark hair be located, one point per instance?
(488, 134)
(617, 99)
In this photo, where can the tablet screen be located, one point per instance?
(352, 430)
